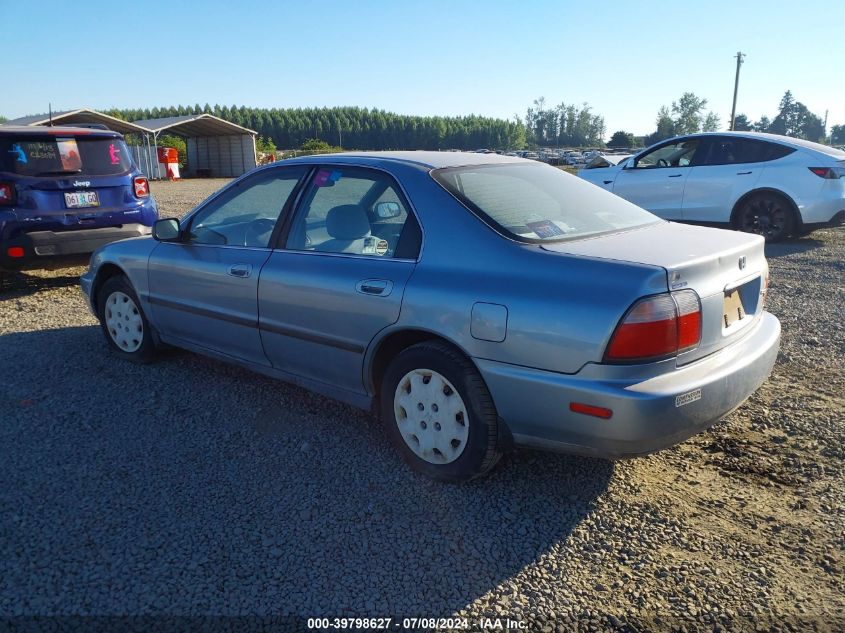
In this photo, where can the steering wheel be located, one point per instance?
(662, 162)
(258, 232)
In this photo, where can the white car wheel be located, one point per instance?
(123, 322)
(431, 416)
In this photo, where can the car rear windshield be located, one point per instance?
(539, 203)
(57, 155)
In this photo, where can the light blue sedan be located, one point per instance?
(473, 301)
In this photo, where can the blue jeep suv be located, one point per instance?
(65, 191)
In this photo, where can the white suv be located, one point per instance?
(761, 183)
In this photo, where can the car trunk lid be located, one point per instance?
(725, 268)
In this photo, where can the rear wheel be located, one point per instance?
(126, 328)
(767, 214)
(439, 414)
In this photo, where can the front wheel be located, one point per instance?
(766, 214)
(439, 414)
(124, 324)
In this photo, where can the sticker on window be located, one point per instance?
(114, 154)
(369, 246)
(545, 229)
(20, 156)
(382, 247)
(326, 178)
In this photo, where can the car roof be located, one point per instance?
(56, 130)
(424, 159)
(797, 143)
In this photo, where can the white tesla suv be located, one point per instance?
(767, 184)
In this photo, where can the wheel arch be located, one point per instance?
(744, 197)
(105, 272)
(390, 344)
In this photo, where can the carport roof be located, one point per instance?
(194, 125)
(75, 117)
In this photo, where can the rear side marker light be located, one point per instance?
(657, 327)
(15, 251)
(142, 187)
(588, 409)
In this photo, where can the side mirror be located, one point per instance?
(387, 210)
(166, 230)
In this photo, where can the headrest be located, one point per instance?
(347, 222)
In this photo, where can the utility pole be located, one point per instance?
(339, 135)
(739, 58)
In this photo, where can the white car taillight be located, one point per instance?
(657, 327)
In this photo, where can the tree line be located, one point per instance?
(353, 127)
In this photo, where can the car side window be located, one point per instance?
(247, 213)
(731, 151)
(678, 154)
(351, 210)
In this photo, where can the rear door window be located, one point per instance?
(58, 155)
(725, 150)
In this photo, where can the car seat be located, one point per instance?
(349, 228)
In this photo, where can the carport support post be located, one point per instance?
(155, 155)
(739, 57)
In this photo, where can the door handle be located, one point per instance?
(240, 270)
(742, 173)
(675, 175)
(375, 287)
(607, 182)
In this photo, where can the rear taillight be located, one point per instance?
(7, 194)
(657, 327)
(142, 187)
(828, 173)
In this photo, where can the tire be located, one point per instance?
(118, 307)
(766, 213)
(453, 440)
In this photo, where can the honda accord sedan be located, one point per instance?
(775, 186)
(475, 302)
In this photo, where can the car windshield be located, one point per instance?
(44, 155)
(539, 203)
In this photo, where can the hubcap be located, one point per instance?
(764, 216)
(431, 416)
(123, 321)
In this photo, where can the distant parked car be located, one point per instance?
(771, 185)
(65, 191)
(472, 301)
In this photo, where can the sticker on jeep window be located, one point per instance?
(20, 156)
(382, 247)
(114, 154)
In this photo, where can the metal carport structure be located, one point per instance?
(143, 153)
(215, 147)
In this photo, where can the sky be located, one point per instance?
(426, 57)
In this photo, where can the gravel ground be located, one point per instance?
(190, 487)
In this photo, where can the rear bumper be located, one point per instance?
(43, 247)
(648, 415)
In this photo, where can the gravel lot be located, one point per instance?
(190, 487)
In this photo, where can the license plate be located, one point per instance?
(733, 309)
(80, 199)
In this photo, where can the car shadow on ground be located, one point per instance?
(194, 487)
(21, 284)
(793, 246)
